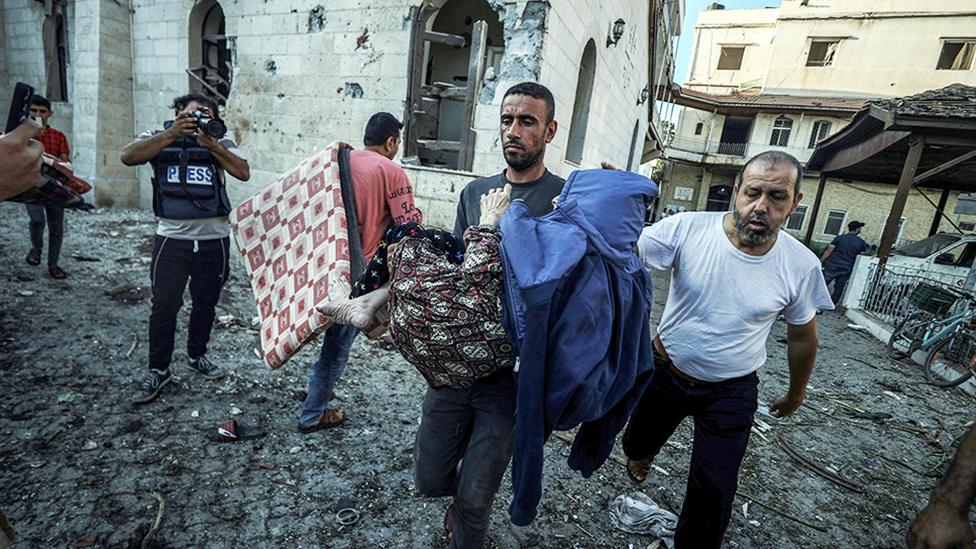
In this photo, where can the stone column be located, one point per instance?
(103, 112)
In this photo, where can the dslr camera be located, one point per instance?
(214, 127)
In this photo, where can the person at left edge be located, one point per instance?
(193, 235)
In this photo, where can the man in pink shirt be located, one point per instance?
(383, 198)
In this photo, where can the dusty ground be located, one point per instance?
(79, 465)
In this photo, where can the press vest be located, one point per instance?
(187, 183)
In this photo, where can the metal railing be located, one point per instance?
(701, 146)
(886, 297)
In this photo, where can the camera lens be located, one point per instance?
(215, 128)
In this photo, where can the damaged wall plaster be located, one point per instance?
(353, 90)
(524, 37)
(316, 19)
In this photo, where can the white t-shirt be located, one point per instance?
(722, 301)
(208, 228)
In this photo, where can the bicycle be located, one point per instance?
(951, 346)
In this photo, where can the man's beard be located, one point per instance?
(753, 237)
(524, 160)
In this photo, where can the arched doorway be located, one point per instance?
(581, 106)
(719, 198)
(210, 57)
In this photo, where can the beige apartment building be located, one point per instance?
(785, 78)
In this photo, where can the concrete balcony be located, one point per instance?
(715, 152)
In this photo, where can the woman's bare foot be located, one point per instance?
(358, 311)
(353, 311)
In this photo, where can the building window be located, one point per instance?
(967, 226)
(822, 53)
(581, 107)
(731, 58)
(699, 127)
(796, 219)
(956, 56)
(55, 35)
(836, 219)
(901, 228)
(210, 53)
(781, 132)
(821, 128)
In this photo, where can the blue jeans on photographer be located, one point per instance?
(324, 374)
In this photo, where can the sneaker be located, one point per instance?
(151, 386)
(206, 368)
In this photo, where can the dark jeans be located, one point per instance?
(840, 280)
(723, 419)
(473, 426)
(55, 230)
(205, 264)
(324, 374)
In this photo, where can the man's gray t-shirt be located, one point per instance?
(537, 195)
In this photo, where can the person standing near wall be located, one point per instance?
(732, 275)
(193, 235)
(384, 197)
(475, 427)
(838, 259)
(55, 144)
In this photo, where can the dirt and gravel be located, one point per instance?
(79, 466)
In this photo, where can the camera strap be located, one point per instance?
(184, 161)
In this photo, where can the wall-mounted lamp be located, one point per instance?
(645, 94)
(616, 32)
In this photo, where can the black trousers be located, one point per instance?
(54, 218)
(723, 413)
(205, 264)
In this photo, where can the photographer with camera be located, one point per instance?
(189, 157)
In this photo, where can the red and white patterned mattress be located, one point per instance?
(295, 242)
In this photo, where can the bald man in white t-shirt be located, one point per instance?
(732, 274)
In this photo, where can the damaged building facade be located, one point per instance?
(785, 78)
(294, 76)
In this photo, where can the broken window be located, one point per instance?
(55, 35)
(796, 219)
(821, 128)
(956, 56)
(210, 53)
(581, 106)
(698, 128)
(452, 47)
(731, 58)
(835, 222)
(822, 53)
(781, 132)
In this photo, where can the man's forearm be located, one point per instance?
(801, 353)
(233, 164)
(141, 151)
(958, 488)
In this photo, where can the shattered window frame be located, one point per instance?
(782, 128)
(833, 219)
(822, 51)
(961, 59)
(726, 59)
(801, 214)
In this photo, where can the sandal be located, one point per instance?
(33, 257)
(637, 470)
(57, 272)
(329, 419)
(449, 520)
(234, 432)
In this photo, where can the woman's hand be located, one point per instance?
(493, 205)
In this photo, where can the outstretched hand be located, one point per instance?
(493, 205)
(20, 160)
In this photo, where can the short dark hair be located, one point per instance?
(41, 101)
(182, 101)
(777, 158)
(538, 91)
(381, 126)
